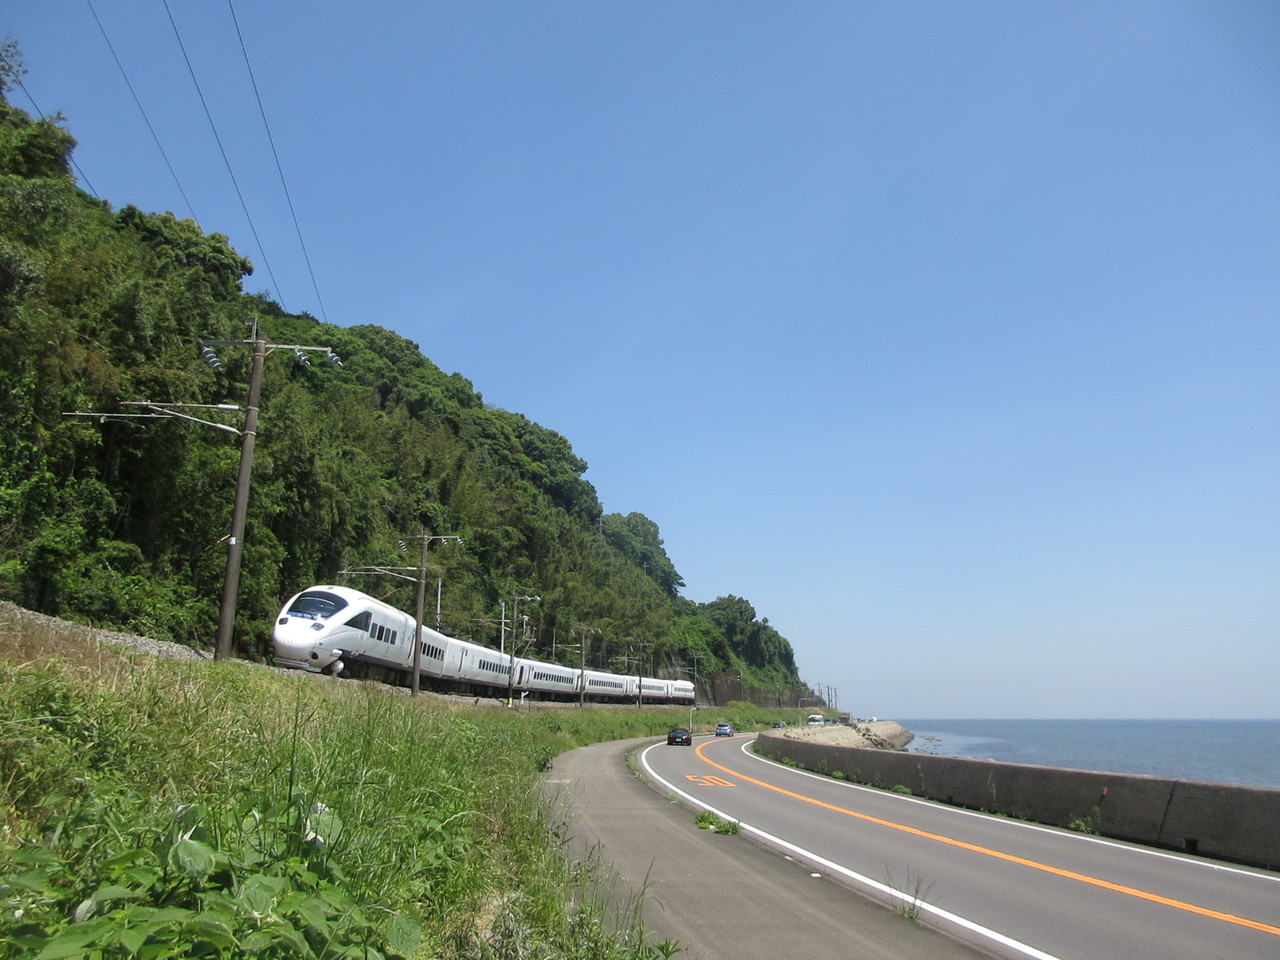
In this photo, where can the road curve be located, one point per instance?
(1023, 890)
(720, 897)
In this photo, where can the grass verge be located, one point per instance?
(153, 808)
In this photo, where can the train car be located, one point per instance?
(547, 679)
(608, 686)
(480, 667)
(655, 691)
(682, 691)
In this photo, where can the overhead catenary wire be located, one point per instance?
(225, 159)
(276, 156)
(147, 120)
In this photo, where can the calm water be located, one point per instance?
(1218, 751)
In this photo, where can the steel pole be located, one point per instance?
(422, 592)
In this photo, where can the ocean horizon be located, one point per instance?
(1213, 751)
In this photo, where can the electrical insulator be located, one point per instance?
(212, 358)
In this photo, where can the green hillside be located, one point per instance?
(123, 523)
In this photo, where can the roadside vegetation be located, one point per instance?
(155, 808)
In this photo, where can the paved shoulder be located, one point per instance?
(720, 896)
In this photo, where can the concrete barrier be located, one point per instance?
(1228, 822)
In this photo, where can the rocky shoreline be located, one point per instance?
(874, 734)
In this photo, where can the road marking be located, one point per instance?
(890, 893)
(1000, 855)
(709, 781)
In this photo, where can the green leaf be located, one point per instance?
(133, 938)
(192, 859)
(37, 880)
(257, 897)
(114, 892)
(72, 941)
(404, 934)
(120, 859)
(312, 911)
(210, 931)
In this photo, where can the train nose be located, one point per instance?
(297, 646)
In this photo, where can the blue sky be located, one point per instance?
(945, 333)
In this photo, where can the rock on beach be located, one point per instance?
(876, 734)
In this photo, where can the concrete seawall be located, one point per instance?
(1236, 823)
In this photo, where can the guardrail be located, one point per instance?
(1224, 821)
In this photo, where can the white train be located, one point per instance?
(331, 629)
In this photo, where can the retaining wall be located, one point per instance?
(1225, 821)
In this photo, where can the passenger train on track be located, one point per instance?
(334, 629)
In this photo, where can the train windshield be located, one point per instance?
(316, 605)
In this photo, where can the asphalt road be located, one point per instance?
(720, 897)
(1017, 889)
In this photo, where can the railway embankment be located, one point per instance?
(1223, 821)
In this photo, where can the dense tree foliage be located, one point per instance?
(122, 522)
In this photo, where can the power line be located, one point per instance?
(225, 159)
(280, 170)
(145, 118)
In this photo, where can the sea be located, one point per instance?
(1214, 751)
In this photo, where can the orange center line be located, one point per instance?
(999, 855)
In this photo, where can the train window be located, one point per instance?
(316, 604)
(381, 634)
(360, 621)
(394, 635)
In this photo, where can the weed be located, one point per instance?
(706, 820)
(907, 900)
(1091, 824)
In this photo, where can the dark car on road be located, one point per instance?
(679, 737)
(724, 729)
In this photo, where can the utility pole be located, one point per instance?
(637, 657)
(248, 437)
(235, 546)
(421, 579)
(511, 663)
(422, 591)
(582, 681)
(640, 649)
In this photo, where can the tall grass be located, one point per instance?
(153, 808)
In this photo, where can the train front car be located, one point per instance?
(309, 635)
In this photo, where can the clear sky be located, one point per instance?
(944, 333)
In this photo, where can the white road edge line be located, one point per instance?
(944, 915)
(1140, 850)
